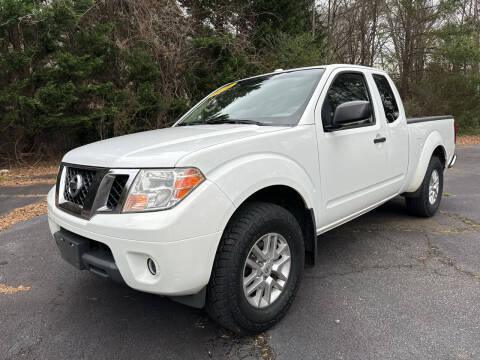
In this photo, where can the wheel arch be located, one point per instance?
(290, 199)
(433, 147)
(441, 153)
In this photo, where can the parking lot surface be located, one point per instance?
(387, 286)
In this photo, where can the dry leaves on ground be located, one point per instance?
(468, 140)
(22, 214)
(24, 175)
(26, 182)
(4, 289)
(44, 168)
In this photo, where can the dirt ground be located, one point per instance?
(468, 140)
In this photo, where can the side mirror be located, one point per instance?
(351, 112)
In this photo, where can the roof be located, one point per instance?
(329, 67)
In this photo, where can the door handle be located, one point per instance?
(379, 140)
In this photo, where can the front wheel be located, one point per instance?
(257, 268)
(430, 192)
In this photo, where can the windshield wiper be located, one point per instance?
(188, 123)
(223, 121)
(236, 121)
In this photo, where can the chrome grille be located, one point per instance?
(116, 191)
(101, 190)
(87, 176)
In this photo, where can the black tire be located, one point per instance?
(420, 204)
(226, 302)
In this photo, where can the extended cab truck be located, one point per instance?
(222, 209)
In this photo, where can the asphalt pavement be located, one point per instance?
(387, 286)
(12, 197)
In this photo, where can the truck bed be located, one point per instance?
(425, 135)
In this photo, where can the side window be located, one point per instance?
(388, 98)
(346, 87)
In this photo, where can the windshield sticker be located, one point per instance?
(222, 89)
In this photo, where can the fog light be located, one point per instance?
(151, 266)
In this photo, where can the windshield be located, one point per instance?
(275, 99)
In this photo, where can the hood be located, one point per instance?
(160, 148)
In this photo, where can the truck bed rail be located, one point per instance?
(415, 120)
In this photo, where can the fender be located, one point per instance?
(431, 143)
(245, 175)
(239, 179)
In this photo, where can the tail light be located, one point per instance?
(455, 132)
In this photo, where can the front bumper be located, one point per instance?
(182, 241)
(86, 254)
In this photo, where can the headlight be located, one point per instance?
(159, 189)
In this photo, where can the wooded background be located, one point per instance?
(74, 71)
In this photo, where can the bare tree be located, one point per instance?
(351, 28)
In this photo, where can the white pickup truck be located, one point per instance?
(223, 209)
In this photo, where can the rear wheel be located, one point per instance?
(257, 268)
(430, 192)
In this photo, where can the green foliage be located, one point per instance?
(284, 50)
(281, 16)
(66, 76)
(218, 63)
(452, 81)
(59, 78)
(74, 71)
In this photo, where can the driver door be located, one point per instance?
(353, 159)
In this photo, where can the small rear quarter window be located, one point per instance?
(388, 98)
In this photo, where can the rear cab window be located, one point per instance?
(390, 106)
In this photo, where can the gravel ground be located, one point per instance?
(387, 286)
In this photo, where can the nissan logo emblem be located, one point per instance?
(75, 185)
